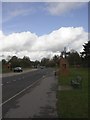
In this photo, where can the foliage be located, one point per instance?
(4, 61)
(74, 58)
(26, 62)
(73, 103)
(36, 63)
(44, 62)
(56, 59)
(14, 61)
(86, 54)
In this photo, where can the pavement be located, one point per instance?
(39, 101)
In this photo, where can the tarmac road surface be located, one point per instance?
(30, 95)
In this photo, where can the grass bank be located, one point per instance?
(73, 103)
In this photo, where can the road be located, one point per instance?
(16, 85)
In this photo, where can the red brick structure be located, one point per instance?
(64, 66)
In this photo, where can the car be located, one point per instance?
(42, 67)
(18, 69)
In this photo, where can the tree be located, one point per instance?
(86, 50)
(56, 60)
(74, 58)
(14, 61)
(26, 61)
(45, 62)
(36, 63)
(86, 54)
(4, 61)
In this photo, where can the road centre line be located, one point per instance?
(20, 92)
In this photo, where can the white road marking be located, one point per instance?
(20, 92)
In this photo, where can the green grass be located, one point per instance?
(73, 103)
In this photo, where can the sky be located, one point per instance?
(42, 29)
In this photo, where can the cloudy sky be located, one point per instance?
(42, 29)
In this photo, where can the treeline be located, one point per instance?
(74, 58)
(82, 58)
(25, 62)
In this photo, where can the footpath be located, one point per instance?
(37, 102)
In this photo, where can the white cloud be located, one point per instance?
(17, 12)
(18, 41)
(37, 47)
(53, 8)
(22, 12)
(59, 8)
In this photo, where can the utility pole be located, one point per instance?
(65, 52)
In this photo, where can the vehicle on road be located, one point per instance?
(42, 67)
(18, 69)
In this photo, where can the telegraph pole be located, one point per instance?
(65, 52)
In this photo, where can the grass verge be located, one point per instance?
(73, 103)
